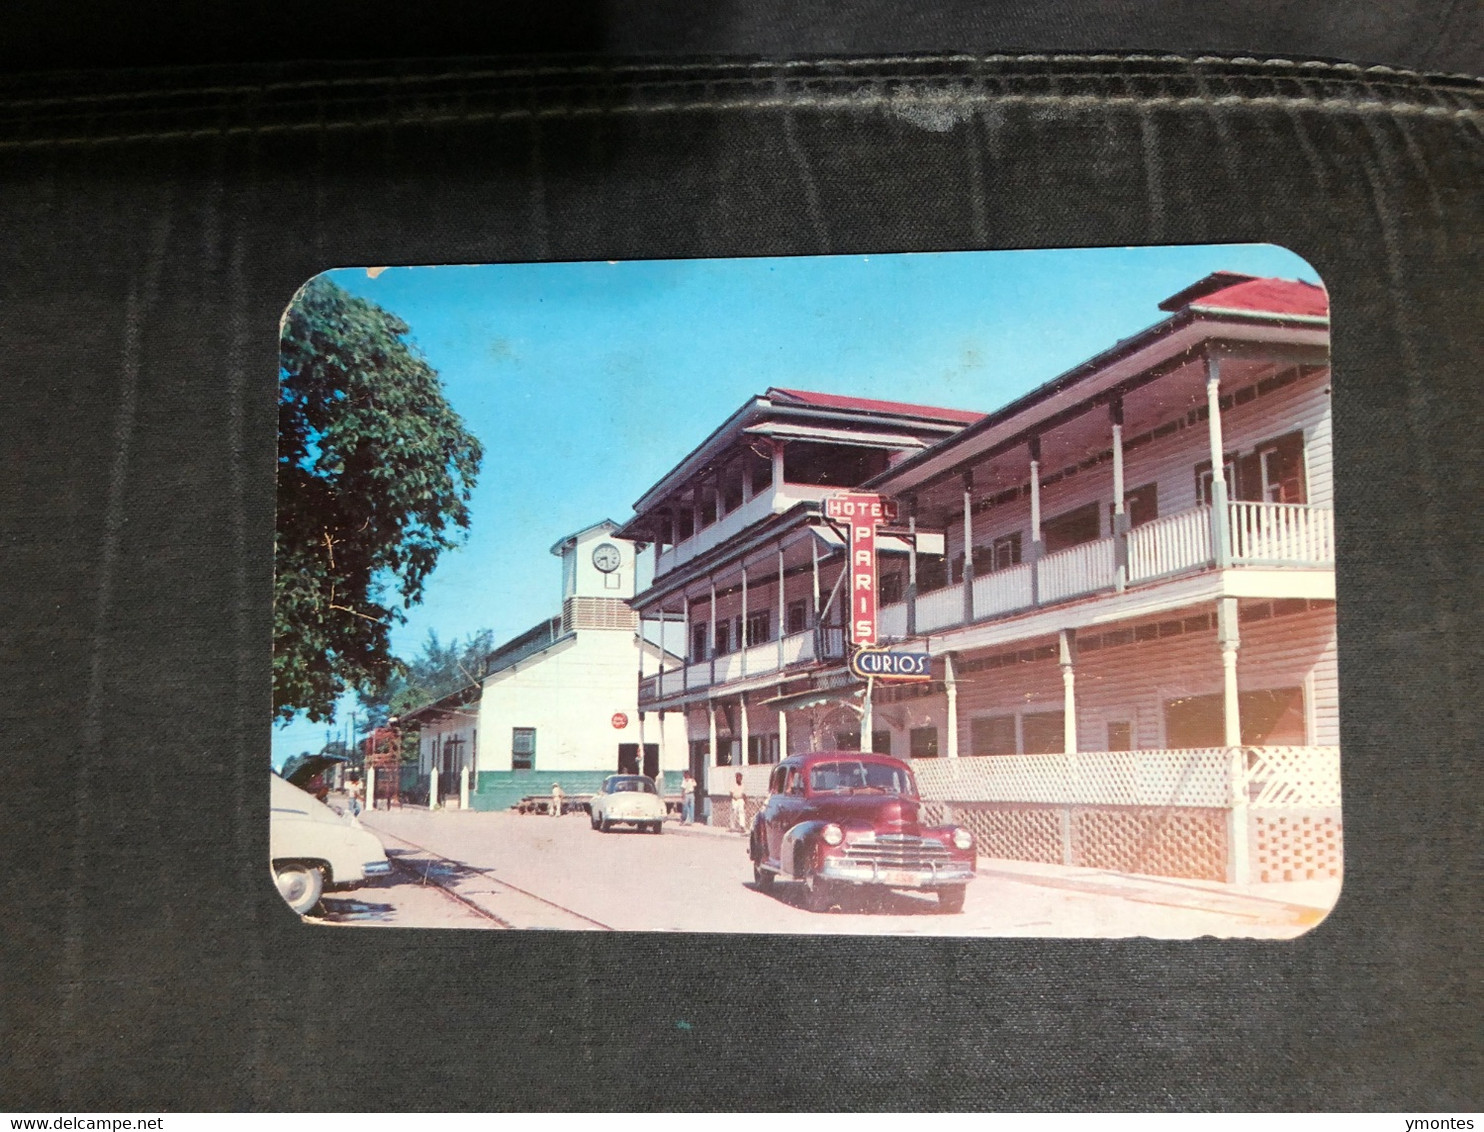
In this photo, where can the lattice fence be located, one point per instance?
(1018, 833)
(1288, 845)
(1293, 776)
(1199, 777)
(1158, 841)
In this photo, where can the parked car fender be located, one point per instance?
(798, 854)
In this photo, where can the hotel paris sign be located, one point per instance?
(863, 514)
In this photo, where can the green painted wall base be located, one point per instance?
(502, 789)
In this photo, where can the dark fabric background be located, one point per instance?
(152, 229)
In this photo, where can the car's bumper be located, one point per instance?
(934, 875)
(377, 868)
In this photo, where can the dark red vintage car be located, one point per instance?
(837, 818)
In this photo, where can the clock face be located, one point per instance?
(606, 557)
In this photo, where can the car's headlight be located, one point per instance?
(962, 838)
(833, 834)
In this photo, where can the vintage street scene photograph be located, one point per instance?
(970, 594)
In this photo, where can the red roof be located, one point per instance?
(867, 405)
(1233, 291)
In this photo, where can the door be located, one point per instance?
(628, 758)
(651, 759)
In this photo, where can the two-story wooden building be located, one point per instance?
(1125, 579)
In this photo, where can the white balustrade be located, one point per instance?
(940, 608)
(1003, 591)
(1170, 544)
(891, 620)
(1076, 570)
(1288, 533)
(798, 647)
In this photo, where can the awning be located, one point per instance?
(928, 542)
(817, 697)
(824, 435)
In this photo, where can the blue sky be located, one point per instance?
(586, 382)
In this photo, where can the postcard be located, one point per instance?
(974, 594)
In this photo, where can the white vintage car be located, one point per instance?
(628, 799)
(311, 847)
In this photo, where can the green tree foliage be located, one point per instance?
(433, 673)
(375, 470)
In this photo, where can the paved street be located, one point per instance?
(508, 870)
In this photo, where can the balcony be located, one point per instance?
(795, 650)
(1282, 535)
(770, 501)
(1286, 535)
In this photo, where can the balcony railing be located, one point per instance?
(1170, 545)
(1261, 534)
(1282, 534)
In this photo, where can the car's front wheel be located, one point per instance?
(593, 820)
(300, 885)
(657, 827)
(951, 898)
(761, 877)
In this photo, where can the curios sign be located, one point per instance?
(891, 664)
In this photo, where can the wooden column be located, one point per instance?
(1239, 858)
(950, 684)
(782, 609)
(711, 640)
(687, 644)
(1036, 545)
(746, 727)
(1067, 650)
(742, 641)
(777, 454)
(1220, 513)
(1120, 515)
(912, 566)
(782, 734)
(968, 483)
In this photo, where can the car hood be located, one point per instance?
(886, 813)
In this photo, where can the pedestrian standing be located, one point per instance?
(557, 799)
(687, 798)
(353, 796)
(739, 806)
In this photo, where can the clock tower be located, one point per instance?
(597, 579)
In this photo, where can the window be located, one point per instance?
(762, 749)
(698, 641)
(724, 751)
(700, 751)
(797, 616)
(1071, 529)
(1120, 736)
(731, 495)
(1272, 718)
(523, 748)
(1041, 732)
(1281, 470)
(761, 471)
(847, 777)
(1001, 554)
(685, 525)
(1203, 480)
(723, 638)
(851, 741)
(992, 735)
(708, 507)
(932, 573)
(795, 782)
(759, 628)
(924, 742)
(889, 589)
(1141, 505)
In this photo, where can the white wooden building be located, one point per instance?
(1145, 649)
(558, 703)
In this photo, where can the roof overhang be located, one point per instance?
(786, 430)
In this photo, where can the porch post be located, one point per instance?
(777, 455)
(711, 640)
(710, 761)
(1120, 516)
(685, 644)
(950, 684)
(1220, 513)
(746, 730)
(912, 566)
(743, 636)
(782, 734)
(1067, 648)
(782, 608)
(814, 558)
(867, 721)
(695, 511)
(968, 478)
(659, 681)
(1239, 857)
(1035, 448)
(746, 484)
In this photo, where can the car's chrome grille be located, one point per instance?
(898, 852)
